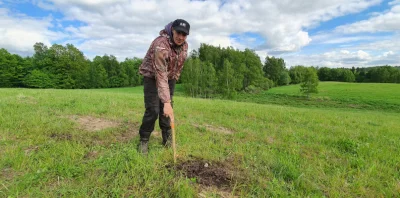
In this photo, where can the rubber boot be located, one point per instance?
(167, 138)
(143, 147)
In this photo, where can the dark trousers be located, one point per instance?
(154, 109)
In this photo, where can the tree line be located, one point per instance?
(65, 67)
(378, 74)
(208, 71)
(382, 74)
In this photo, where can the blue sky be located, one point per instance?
(315, 32)
(351, 18)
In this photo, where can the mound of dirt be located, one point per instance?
(207, 173)
(214, 178)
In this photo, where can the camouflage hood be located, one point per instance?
(167, 30)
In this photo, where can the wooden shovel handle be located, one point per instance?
(173, 141)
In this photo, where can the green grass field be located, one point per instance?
(82, 143)
(370, 96)
(381, 92)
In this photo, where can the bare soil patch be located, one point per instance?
(91, 155)
(28, 151)
(26, 99)
(125, 132)
(354, 106)
(217, 129)
(129, 132)
(270, 140)
(156, 133)
(8, 174)
(211, 192)
(206, 173)
(56, 182)
(398, 187)
(61, 136)
(90, 123)
(212, 176)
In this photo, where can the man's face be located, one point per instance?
(179, 37)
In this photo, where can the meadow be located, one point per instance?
(82, 143)
(369, 96)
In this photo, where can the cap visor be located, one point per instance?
(179, 28)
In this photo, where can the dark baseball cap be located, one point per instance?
(181, 25)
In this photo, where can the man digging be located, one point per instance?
(161, 68)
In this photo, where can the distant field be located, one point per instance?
(82, 143)
(386, 92)
(371, 96)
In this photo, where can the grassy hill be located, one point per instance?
(79, 143)
(370, 96)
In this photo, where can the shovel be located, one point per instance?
(173, 140)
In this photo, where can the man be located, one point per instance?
(161, 68)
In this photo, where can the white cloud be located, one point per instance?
(19, 33)
(386, 54)
(344, 52)
(394, 2)
(362, 55)
(337, 39)
(377, 52)
(343, 58)
(382, 22)
(45, 6)
(385, 44)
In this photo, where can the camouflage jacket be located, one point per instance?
(164, 61)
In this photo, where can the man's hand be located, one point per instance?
(168, 111)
